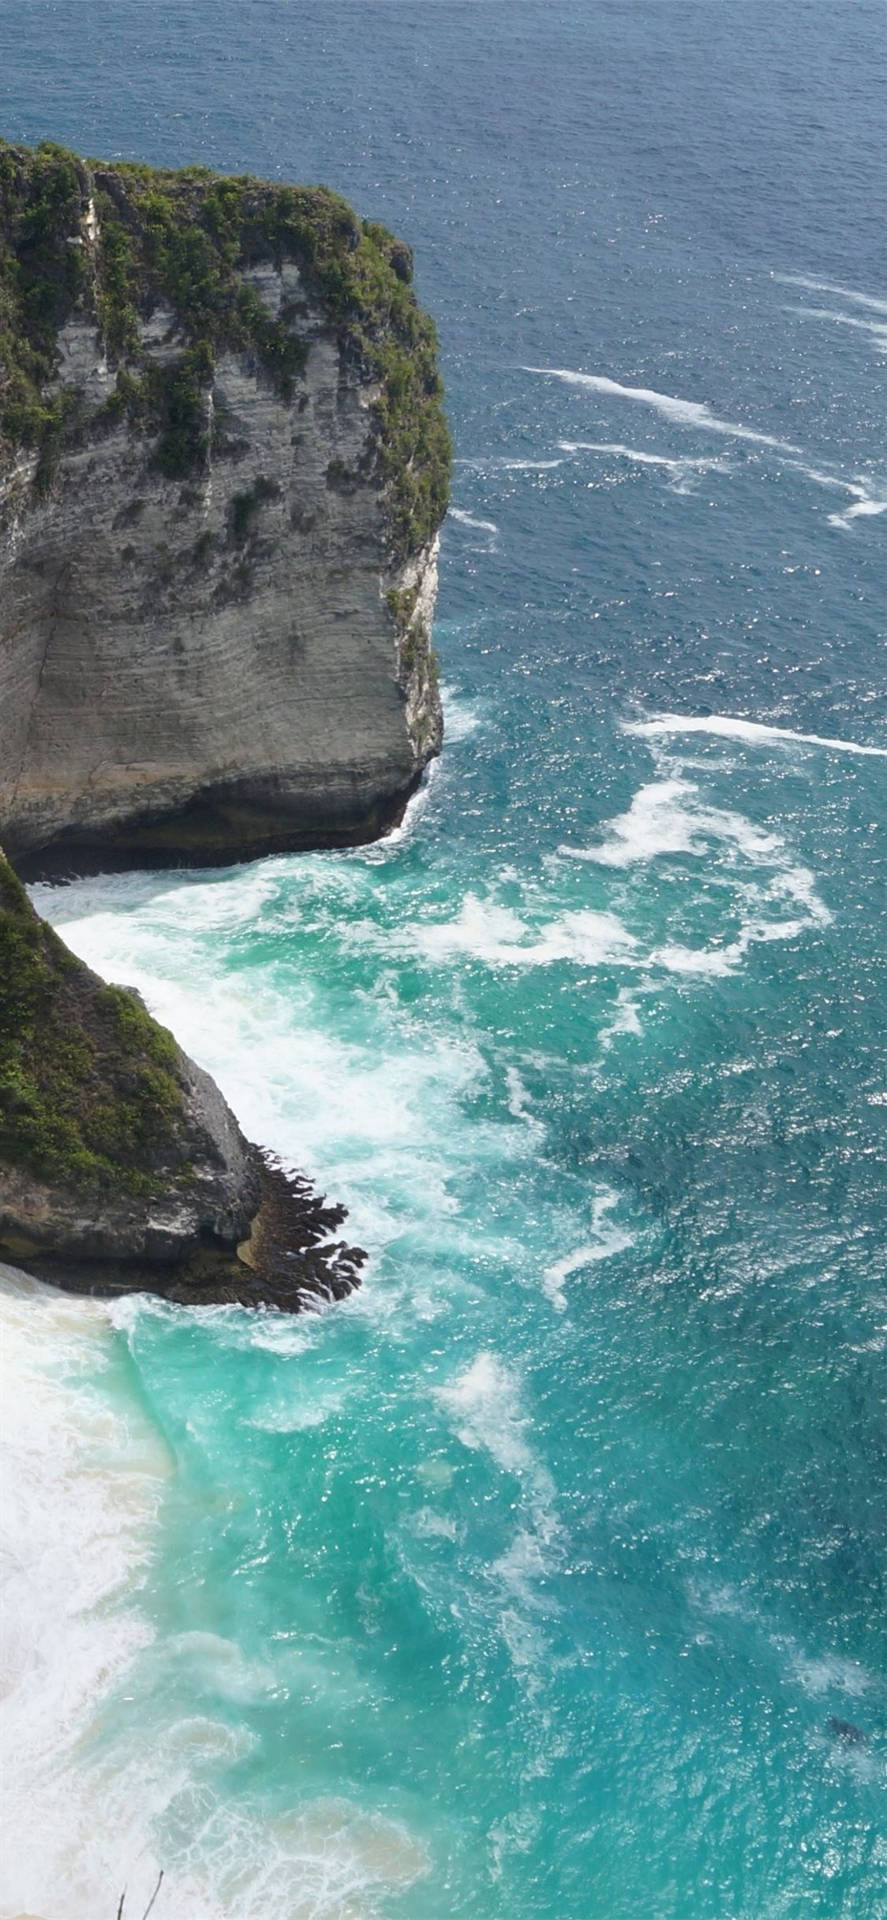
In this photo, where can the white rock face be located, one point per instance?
(209, 669)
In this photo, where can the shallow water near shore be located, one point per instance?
(545, 1575)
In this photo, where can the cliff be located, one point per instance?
(120, 1164)
(223, 465)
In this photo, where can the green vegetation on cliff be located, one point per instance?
(88, 1081)
(117, 242)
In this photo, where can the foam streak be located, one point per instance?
(874, 302)
(608, 1240)
(724, 727)
(684, 413)
(468, 520)
(877, 329)
(640, 455)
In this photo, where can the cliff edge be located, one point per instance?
(223, 465)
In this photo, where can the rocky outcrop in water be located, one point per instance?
(121, 1166)
(223, 465)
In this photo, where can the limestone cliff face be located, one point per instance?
(221, 476)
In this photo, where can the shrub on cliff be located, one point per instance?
(88, 1084)
(117, 241)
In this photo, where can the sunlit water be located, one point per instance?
(531, 1581)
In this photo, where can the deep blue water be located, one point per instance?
(531, 1582)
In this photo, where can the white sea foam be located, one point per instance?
(379, 851)
(523, 1563)
(328, 1860)
(91, 1797)
(682, 472)
(316, 1100)
(297, 1415)
(830, 1673)
(495, 934)
(468, 520)
(713, 962)
(725, 727)
(431, 1525)
(684, 413)
(637, 454)
(834, 480)
(868, 495)
(483, 1401)
(364, 1111)
(349, 1111)
(80, 1488)
(666, 817)
(876, 329)
(757, 929)
(519, 1573)
(607, 1239)
(486, 1412)
(875, 302)
(626, 1019)
(460, 718)
(104, 909)
(867, 507)
(503, 464)
(520, 1104)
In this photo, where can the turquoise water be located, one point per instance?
(529, 1581)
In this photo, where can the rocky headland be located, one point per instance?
(223, 466)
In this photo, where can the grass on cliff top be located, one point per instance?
(187, 241)
(88, 1087)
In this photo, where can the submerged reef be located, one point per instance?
(223, 467)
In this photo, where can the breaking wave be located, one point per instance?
(94, 1800)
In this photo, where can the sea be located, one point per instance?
(544, 1579)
